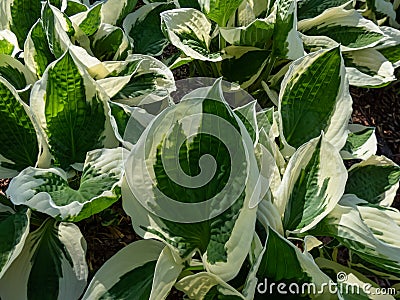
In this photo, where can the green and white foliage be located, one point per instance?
(361, 142)
(177, 211)
(367, 230)
(138, 76)
(314, 97)
(51, 191)
(312, 184)
(14, 228)
(51, 265)
(142, 270)
(68, 104)
(21, 144)
(144, 27)
(374, 180)
(189, 30)
(8, 43)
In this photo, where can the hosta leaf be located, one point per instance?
(8, 43)
(20, 146)
(110, 43)
(257, 34)
(281, 261)
(361, 142)
(389, 46)
(247, 114)
(347, 27)
(219, 11)
(51, 192)
(366, 230)
(69, 105)
(207, 286)
(130, 121)
(379, 9)
(58, 28)
(137, 77)
(53, 256)
(74, 7)
(308, 9)
(312, 184)
(314, 97)
(144, 27)
(287, 42)
(19, 16)
(368, 68)
(207, 127)
(375, 180)
(133, 272)
(37, 53)
(89, 21)
(14, 228)
(114, 11)
(189, 30)
(243, 65)
(250, 10)
(15, 72)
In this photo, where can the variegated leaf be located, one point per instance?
(313, 183)
(136, 272)
(361, 142)
(14, 228)
(144, 27)
(50, 191)
(375, 180)
(189, 30)
(8, 43)
(219, 11)
(68, 104)
(180, 203)
(53, 256)
(315, 97)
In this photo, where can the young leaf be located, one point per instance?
(19, 16)
(134, 273)
(375, 180)
(189, 30)
(14, 228)
(257, 34)
(8, 43)
(206, 285)
(37, 53)
(312, 184)
(287, 42)
(114, 11)
(16, 73)
(144, 27)
(219, 11)
(308, 9)
(89, 21)
(110, 43)
(58, 29)
(346, 27)
(68, 105)
(49, 190)
(74, 7)
(314, 97)
(20, 146)
(361, 142)
(53, 256)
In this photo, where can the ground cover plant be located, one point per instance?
(230, 198)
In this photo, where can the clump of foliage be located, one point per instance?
(87, 115)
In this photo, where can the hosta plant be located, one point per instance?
(253, 42)
(227, 196)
